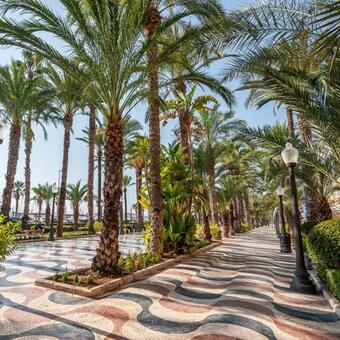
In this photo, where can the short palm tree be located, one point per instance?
(76, 194)
(38, 198)
(46, 193)
(18, 192)
(138, 159)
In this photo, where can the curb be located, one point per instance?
(108, 287)
(321, 287)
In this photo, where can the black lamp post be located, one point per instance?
(285, 244)
(301, 281)
(55, 191)
(2, 131)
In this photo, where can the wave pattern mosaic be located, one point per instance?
(239, 290)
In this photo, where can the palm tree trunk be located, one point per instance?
(247, 208)
(76, 215)
(184, 122)
(125, 207)
(105, 261)
(213, 196)
(63, 185)
(17, 204)
(226, 229)
(232, 218)
(140, 214)
(48, 215)
(290, 123)
(90, 175)
(99, 200)
(324, 211)
(13, 155)
(206, 227)
(39, 210)
(27, 198)
(152, 23)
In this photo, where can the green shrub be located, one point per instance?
(8, 231)
(98, 225)
(323, 244)
(214, 230)
(307, 226)
(331, 277)
(244, 228)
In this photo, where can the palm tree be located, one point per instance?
(200, 193)
(68, 96)
(90, 174)
(227, 190)
(76, 194)
(108, 46)
(38, 115)
(215, 126)
(18, 192)
(127, 182)
(39, 198)
(17, 97)
(138, 159)
(46, 193)
(130, 129)
(151, 25)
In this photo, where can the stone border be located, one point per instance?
(321, 287)
(108, 287)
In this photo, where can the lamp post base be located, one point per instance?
(285, 243)
(302, 284)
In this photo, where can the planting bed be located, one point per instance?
(78, 281)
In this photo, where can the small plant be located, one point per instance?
(77, 280)
(7, 237)
(90, 279)
(65, 276)
(97, 226)
(138, 261)
(120, 264)
(128, 264)
(56, 276)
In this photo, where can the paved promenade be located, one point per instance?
(239, 290)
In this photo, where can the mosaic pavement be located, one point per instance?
(239, 290)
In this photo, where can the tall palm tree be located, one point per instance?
(127, 182)
(151, 25)
(90, 174)
(68, 98)
(18, 192)
(76, 194)
(39, 115)
(17, 97)
(108, 44)
(130, 129)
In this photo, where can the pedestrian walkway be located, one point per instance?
(239, 290)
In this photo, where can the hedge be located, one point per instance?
(307, 226)
(323, 244)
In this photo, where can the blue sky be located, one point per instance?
(47, 155)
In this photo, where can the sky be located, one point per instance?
(47, 154)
